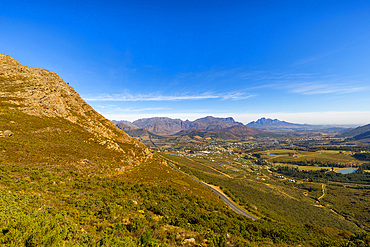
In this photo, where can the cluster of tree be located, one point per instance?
(362, 156)
(313, 147)
(366, 166)
(313, 163)
(80, 210)
(359, 177)
(286, 212)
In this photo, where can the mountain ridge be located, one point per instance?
(42, 93)
(266, 123)
(169, 126)
(359, 133)
(70, 177)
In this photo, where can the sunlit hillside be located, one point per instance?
(70, 177)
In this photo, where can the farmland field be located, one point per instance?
(324, 156)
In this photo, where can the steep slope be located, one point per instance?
(363, 136)
(125, 125)
(41, 93)
(357, 131)
(70, 177)
(143, 135)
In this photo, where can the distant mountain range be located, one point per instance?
(359, 133)
(168, 126)
(268, 123)
(276, 125)
(125, 125)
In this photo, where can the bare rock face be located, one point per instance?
(189, 241)
(6, 133)
(168, 126)
(40, 92)
(44, 93)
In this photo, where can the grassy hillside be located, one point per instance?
(69, 177)
(311, 213)
(327, 157)
(72, 178)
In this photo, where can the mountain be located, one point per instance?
(41, 93)
(70, 177)
(363, 136)
(125, 125)
(357, 133)
(168, 126)
(241, 130)
(161, 125)
(213, 123)
(276, 125)
(144, 136)
(230, 133)
(268, 123)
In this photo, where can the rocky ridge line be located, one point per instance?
(43, 93)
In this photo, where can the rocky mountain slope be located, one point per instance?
(70, 177)
(213, 123)
(169, 126)
(161, 125)
(42, 93)
(125, 125)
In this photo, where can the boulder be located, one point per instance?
(188, 241)
(6, 133)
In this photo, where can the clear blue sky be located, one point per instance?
(299, 61)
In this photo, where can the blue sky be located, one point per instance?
(299, 61)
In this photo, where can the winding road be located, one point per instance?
(221, 195)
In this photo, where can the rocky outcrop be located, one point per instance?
(6, 133)
(43, 93)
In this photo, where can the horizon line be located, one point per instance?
(186, 117)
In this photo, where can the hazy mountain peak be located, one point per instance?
(268, 123)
